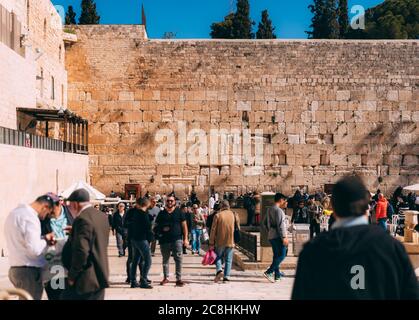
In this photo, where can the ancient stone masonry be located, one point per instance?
(325, 109)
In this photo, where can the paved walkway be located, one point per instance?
(246, 285)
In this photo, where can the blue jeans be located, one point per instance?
(382, 223)
(224, 254)
(279, 253)
(141, 251)
(196, 239)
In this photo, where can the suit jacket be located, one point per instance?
(87, 248)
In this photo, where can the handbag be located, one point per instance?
(209, 258)
(237, 236)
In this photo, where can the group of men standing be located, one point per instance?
(74, 238)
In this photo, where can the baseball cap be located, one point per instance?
(79, 195)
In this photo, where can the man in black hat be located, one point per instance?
(86, 252)
(354, 260)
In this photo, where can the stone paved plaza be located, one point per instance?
(247, 285)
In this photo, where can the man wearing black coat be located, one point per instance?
(119, 230)
(86, 253)
(354, 260)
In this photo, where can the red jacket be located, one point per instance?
(381, 209)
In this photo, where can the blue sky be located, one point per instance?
(192, 18)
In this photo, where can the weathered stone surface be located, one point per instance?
(308, 109)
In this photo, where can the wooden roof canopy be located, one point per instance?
(53, 115)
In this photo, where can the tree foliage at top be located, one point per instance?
(70, 17)
(393, 19)
(242, 24)
(343, 18)
(236, 25)
(223, 29)
(324, 24)
(265, 29)
(89, 13)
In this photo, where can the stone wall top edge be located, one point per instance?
(290, 40)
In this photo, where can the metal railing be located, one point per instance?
(248, 245)
(28, 140)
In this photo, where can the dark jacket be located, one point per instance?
(300, 215)
(328, 266)
(139, 225)
(118, 223)
(85, 254)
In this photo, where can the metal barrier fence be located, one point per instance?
(248, 245)
(28, 140)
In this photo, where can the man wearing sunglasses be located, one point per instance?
(172, 232)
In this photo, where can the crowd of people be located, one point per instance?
(61, 245)
(178, 227)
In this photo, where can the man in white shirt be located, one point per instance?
(25, 246)
(211, 203)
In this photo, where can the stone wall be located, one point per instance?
(326, 108)
(26, 81)
(45, 30)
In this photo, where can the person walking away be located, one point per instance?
(274, 223)
(210, 219)
(25, 245)
(258, 207)
(198, 223)
(211, 203)
(189, 217)
(85, 254)
(171, 228)
(300, 214)
(354, 260)
(140, 237)
(58, 222)
(314, 212)
(381, 212)
(222, 240)
(118, 229)
(153, 212)
(250, 207)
